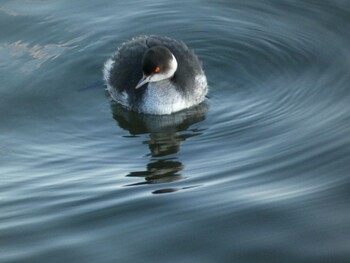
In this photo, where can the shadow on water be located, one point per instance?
(166, 133)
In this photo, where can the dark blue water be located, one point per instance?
(258, 173)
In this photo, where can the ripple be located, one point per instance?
(38, 54)
(262, 166)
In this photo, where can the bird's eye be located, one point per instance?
(157, 70)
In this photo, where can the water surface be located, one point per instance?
(258, 173)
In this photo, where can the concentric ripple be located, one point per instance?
(257, 173)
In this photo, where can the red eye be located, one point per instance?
(157, 70)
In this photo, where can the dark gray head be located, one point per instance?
(158, 63)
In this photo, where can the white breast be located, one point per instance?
(162, 97)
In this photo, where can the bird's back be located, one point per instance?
(127, 68)
(125, 71)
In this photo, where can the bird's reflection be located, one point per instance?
(166, 132)
(159, 171)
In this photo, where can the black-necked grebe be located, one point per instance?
(155, 75)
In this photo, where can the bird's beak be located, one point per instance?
(145, 79)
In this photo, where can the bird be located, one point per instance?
(155, 75)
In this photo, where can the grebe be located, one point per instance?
(155, 75)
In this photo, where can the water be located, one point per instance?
(259, 173)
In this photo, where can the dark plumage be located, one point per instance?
(156, 57)
(130, 62)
